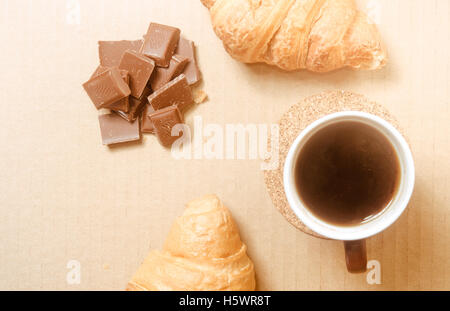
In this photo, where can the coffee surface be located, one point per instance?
(347, 173)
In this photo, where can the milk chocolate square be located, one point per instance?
(186, 48)
(177, 93)
(110, 52)
(107, 88)
(164, 121)
(160, 43)
(116, 130)
(123, 104)
(162, 76)
(140, 68)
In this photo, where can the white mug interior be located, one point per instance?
(377, 224)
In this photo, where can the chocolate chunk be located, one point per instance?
(123, 104)
(136, 106)
(162, 76)
(147, 124)
(140, 68)
(177, 93)
(107, 88)
(116, 130)
(160, 43)
(164, 120)
(110, 52)
(186, 48)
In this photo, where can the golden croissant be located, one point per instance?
(203, 252)
(317, 35)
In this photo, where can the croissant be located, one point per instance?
(203, 251)
(317, 35)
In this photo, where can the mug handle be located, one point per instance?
(356, 256)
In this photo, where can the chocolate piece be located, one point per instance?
(140, 68)
(164, 120)
(116, 130)
(147, 124)
(177, 93)
(160, 43)
(186, 48)
(110, 52)
(107, 88)
(123, 104)
(136, 106)
(162, 76)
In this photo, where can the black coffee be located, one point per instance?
(347, 173)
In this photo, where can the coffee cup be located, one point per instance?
(342, 166)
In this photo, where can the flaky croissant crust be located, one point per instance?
(317, 35)
(203, 251)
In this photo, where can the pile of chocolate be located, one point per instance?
(146, 85)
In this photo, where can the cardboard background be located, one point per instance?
(66, 197)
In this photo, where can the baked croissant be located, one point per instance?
(317, 35)
(202, 252)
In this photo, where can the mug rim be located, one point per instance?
(379, 223)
